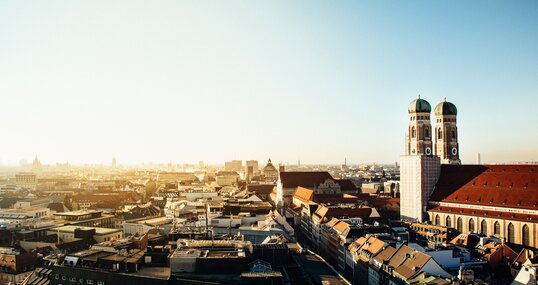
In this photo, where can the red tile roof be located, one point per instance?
(513, 186)
(310, 179)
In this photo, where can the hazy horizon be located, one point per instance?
(316, 81)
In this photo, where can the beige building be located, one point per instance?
(26, 179)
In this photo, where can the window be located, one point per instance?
(90, 282)
(484, 227)
(72, 279)
(448, 222)
(497, 229)
(427, 132)
(57, 276)
(413, 132)
(511, 233)
(525, 237)
(453, 134)
(471, 225)
(63, 277)
(439, 133)
(437, 220)
(460, 225)
(100, 283)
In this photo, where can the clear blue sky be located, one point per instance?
(182, 81)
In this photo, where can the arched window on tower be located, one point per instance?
(497, 229)
(427, 132)
(413, 132)
(471, 225)
(448, 222)
(459, 225)
(439, 134)
(511, 233)
(453, 134)
(484, 227)
(525, 235)
(437, 220)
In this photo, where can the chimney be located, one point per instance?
(281, 168)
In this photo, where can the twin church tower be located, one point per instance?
(420, 167)
(445, 135)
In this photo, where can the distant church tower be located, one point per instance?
(419, 140)
(419, 168)
(446, 133)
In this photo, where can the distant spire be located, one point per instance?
(445, 99)
(418, 96)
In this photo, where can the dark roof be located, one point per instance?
(293, 179)
(513, 186)
(347, 185)
(261, 188)
(445, 108)
(57, 207)
(8, 202)
(419, 106)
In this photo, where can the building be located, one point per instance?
(71, 233)
(251, 169)
(87, 218)
(419, 168)
(227, 178)
(499, 200)
(26, 179)
(269, 172)
(289, 181)
(16, 266)
(233, 165)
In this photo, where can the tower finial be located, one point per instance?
(419, 96)
(445, 99)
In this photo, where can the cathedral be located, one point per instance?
(499, 200)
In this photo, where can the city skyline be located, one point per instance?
(189, 81)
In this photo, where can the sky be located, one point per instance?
(316, 81)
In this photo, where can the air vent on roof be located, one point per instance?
(526, 185)
(485, 184)
(498, 184)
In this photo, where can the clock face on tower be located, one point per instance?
(428, 151)
(454, 151)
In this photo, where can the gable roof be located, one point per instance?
(385, 254)
(412, 264)
(304, 194)
(261, 188)
(310, 179)
(514, 186)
